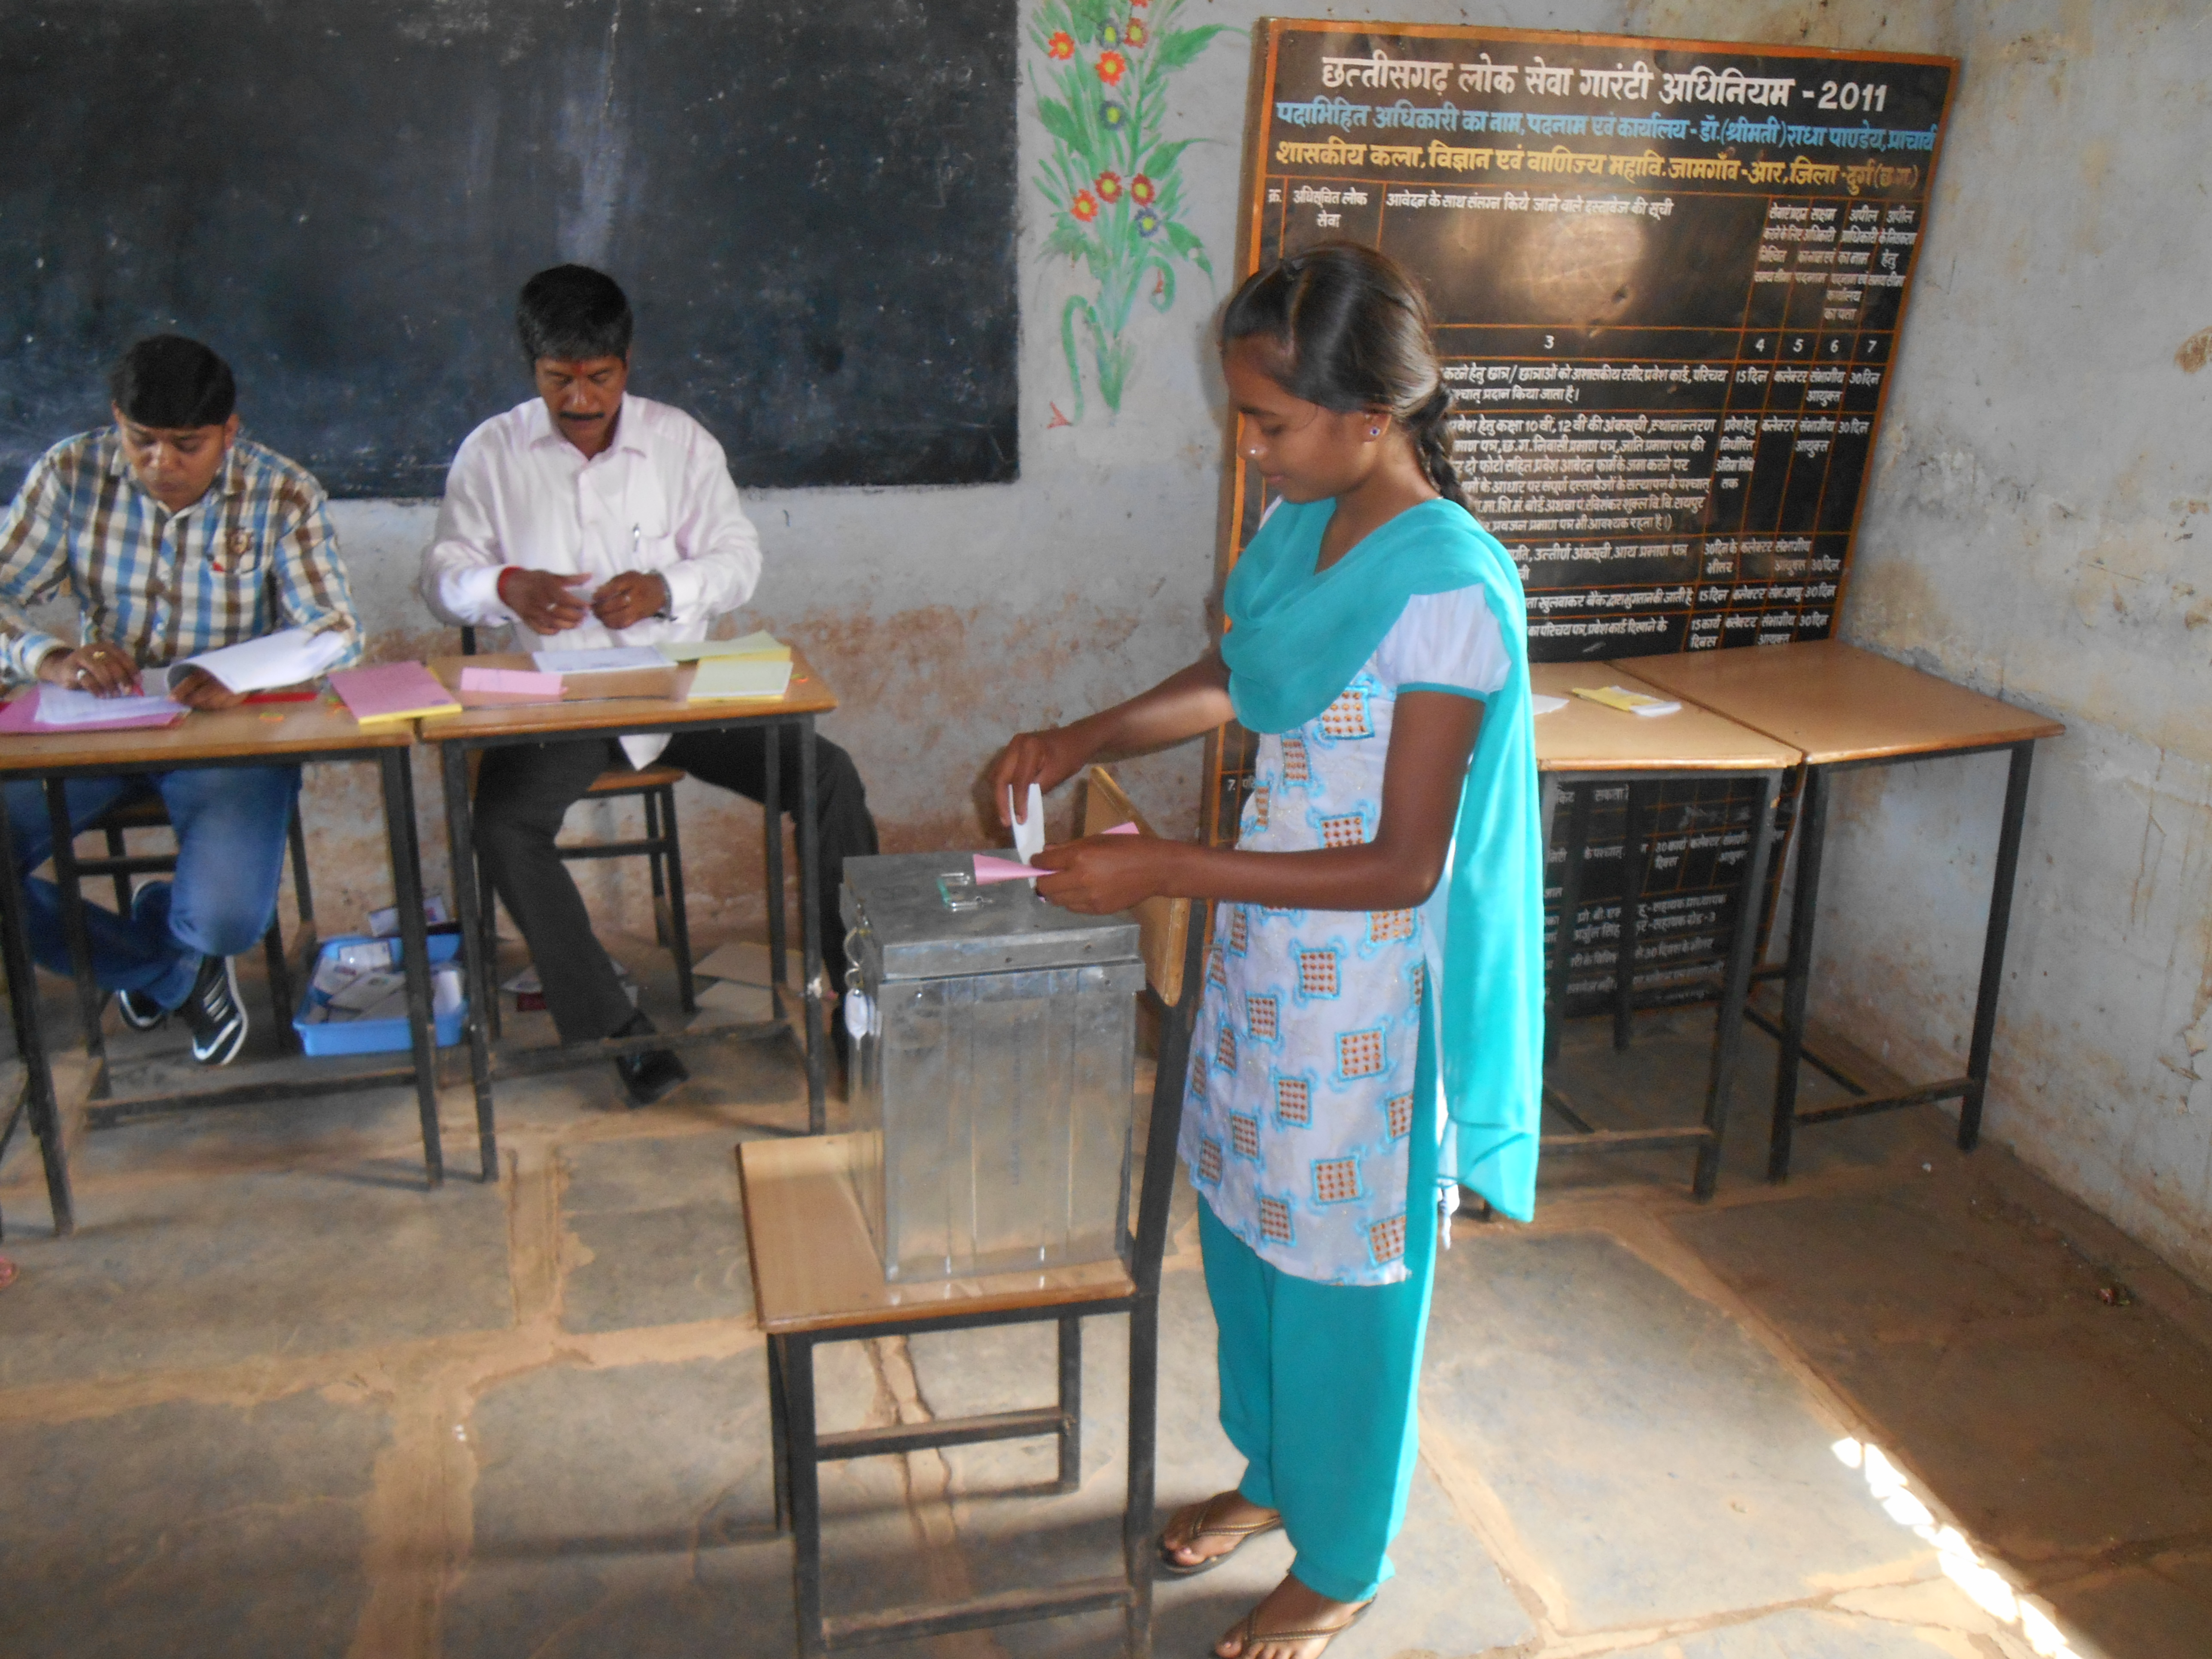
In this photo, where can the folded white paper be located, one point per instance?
(1544, 705)
(1028, 828)
(60, 706)
(600, 662)
(292, 656)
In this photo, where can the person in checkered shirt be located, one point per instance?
(173, 535)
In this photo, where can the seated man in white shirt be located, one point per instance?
(585, 490)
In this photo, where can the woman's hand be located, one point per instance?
(1047, 758)
(1102, 875)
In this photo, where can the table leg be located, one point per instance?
(1633, 830)
(1137, 1533)
(1571, 898)
(30, 1043)
(91, 1000)
(471, 904)
(1736, 987)
(415, 947)
(797, 1355)
(679, 923)
(1993, 944)
(1797, 978)
(810, 928)
(778, 982)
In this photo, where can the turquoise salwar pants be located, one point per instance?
(1319, 1385)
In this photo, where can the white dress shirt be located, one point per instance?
(658, 498)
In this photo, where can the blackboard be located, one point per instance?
(812, 209)
(1670, 278)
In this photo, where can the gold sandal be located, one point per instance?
(1205, 1529)
(1248, 1635)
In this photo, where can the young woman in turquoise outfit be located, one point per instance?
(1367, 1040)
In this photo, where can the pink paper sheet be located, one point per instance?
(390, 688)
(485, 685)
(990, 868)
(23, 716)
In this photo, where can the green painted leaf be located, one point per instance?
(1173, 50)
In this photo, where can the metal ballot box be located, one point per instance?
(993, 1069)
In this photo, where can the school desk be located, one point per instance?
(297, 734)
(1847, 709)
(459, 735)
(1586, 745)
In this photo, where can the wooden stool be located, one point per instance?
(817, 1279)
(120, 864)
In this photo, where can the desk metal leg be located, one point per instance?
(472, 902)
(680, 922)
(795, 1354)
(1796, 981)
(415, 947)
(1631, 922)
(1993, 946)
(1136, 1535)
(810, 927)
(1736, 987)
(1571, 898)
(778, 982)
(91, 1000)
(30, 1044)
(1071, 1403)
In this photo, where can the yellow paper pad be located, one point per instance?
(765, 646)
(728, 678)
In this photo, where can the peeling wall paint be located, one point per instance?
(2036, 527)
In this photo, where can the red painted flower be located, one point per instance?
(1135, 34)
(1140, 4)
(1109, 186)
(1140, 190)
(1112, 66)
(1062, 44)
(1085, 206)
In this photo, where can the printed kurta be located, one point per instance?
(1300, 1102)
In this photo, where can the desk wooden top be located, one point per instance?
(1587, 736)
(814, 1267)
(807, 694)
(255, 730)
(1838, 703)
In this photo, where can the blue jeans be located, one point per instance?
(230, 825)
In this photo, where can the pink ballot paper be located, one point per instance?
(488, 685)
(990, 867)
(392, 691)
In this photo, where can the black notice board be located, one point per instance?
(1669, 278)
(811, 207)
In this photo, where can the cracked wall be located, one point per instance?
(2035, 527)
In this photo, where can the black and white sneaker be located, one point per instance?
(215, 1013)
(140, 1012)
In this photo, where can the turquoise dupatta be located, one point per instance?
(1296, 638)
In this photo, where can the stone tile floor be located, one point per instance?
(275, 1399)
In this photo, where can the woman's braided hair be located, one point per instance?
(1353, 331)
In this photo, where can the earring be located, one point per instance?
(1374, 431)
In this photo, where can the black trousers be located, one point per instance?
(524, 792)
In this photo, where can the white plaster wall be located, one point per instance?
(2031, 530)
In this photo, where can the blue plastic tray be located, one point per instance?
(374, 1036)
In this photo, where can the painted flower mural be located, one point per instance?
(1113, 178)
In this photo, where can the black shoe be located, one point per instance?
(215, 1013)
(647, 1076)
(140, 1012)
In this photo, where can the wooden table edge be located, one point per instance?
(788, 1325)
